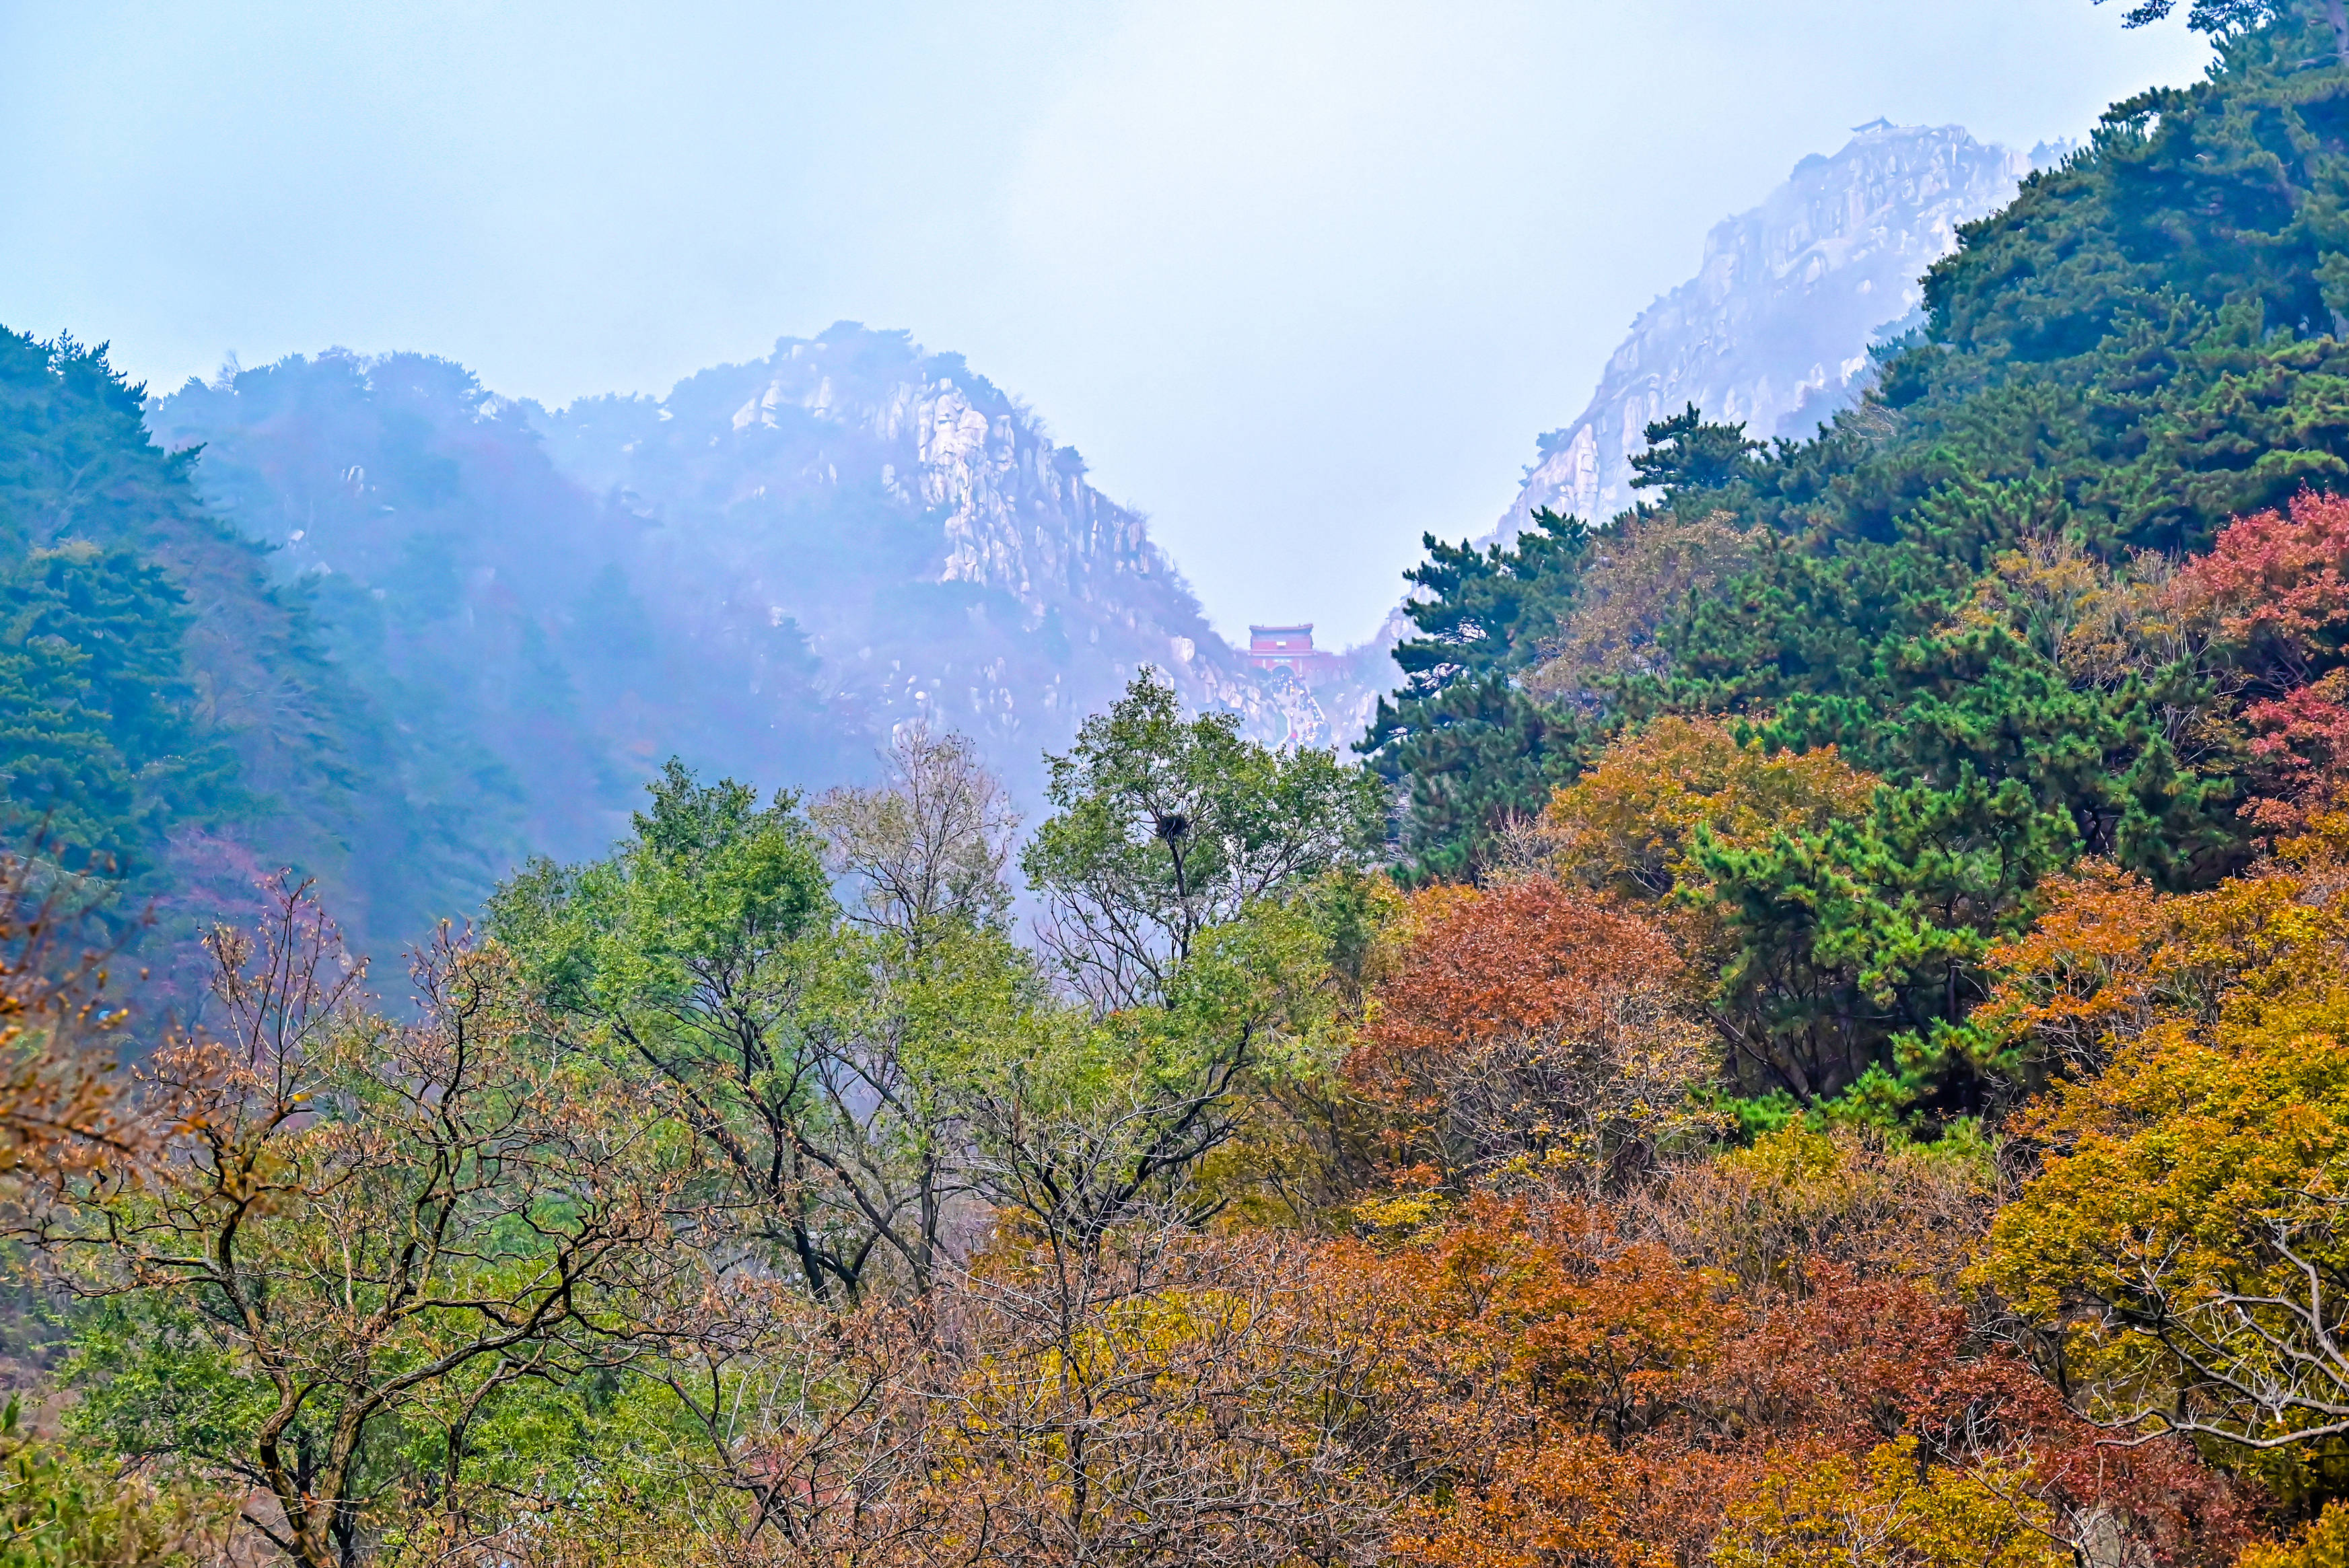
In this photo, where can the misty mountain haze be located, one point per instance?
(522, 611)
(764, 574)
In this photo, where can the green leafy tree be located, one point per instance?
(2232, 15)
(1186, 874)
(819, 1060)
(1166, 828)
(1840, 923)
(1851, 951)
(103, 747)
(1688, 455)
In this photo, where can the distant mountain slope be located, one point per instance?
(163, 706)
(1774, 329)
(763, 571)
(445, 565)
(944, 558)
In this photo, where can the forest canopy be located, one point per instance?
(1814, 1036)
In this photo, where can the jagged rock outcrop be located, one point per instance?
(1016, 512)
(1775, 328)
(943, 557)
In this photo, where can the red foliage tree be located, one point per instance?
(1533, 1026)
(2277, 585)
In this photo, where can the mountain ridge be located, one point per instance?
(1014, 531)
(767, 572)
(776, 564)
(1774, 329)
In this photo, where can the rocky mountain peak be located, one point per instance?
(1016, 513)
(1774, 329)
(945, 560)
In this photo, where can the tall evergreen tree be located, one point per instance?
(1462, 745)
(153, 683)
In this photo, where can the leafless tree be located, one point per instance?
(930, 844)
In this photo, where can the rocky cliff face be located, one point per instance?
(945, 560)
(763, 572)
(1773, 330)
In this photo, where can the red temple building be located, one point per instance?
(1290, 648)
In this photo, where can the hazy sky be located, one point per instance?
(1299, 279)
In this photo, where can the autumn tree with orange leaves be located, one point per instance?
(1532, 1028)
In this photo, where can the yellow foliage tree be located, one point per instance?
(2188, 1233)
(1638, 574)
(2322, 1544)
(1889, 1510)
(1629, 823)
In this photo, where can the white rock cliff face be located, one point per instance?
(943, 557)
(1773, 330)
(1016, 512)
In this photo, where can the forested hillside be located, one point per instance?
(314, 638)
(168, 705)
(460, 587)
(1817, 1039)
(765, 573)
(2023, 588)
